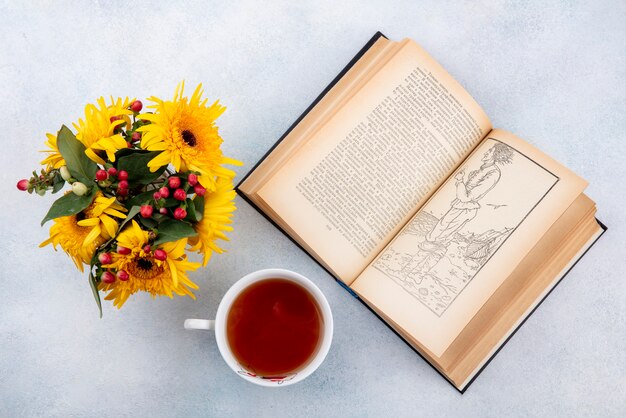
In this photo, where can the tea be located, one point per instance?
(274, 327)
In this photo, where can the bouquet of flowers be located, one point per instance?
(144, 189)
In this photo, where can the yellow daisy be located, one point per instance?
(71, 237)
(218, 211)
(184, 130)
(97, 132)
(99, 217)
(79, 235)
(54, 158)
(145, 272)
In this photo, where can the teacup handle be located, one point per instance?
(203, 324)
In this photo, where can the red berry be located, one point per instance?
(122, 175)
(112, 171)
(146, 211)
(122, 192)
(105, 258)
(180, 194)
(192, 179)
(136, 106)
(115, 118)
(180, 213)
(122, 275)
(156, 195)
(200, 191)
(128, 145)
(123, 184)
(163, 211)
(164, 192)
(147, 248)
(22, 185)
(136, 136)
(108, 277)
(101, 175)
(123, 250)
(160, 255)
(174, 182)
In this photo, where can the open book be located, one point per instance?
(450, 230)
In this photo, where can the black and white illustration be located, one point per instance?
(455, 234)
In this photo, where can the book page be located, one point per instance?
(362, 174)
(342, 90)
(461, 245)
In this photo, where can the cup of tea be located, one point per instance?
(273, 327)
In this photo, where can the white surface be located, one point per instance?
(553, 75)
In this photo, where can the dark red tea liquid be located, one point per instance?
(274, 327)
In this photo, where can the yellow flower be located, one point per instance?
(184, 130)
(146, 273)
(218, 211)
(97, 132)
(79, 235)
(54, 158)
(98, 217)
(71, 237)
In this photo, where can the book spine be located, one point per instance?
(345, 286)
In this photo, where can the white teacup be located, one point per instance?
(219, 326)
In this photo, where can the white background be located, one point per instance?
(554, 75)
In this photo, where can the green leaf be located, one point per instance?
(136, 124)
(128, 151)
(131, 214)
(70, 204)
(195, 209)
(94, 290)
(148, 222)
(57, 183)
(172, 230)
(191, 212)
(198, 202)
(170, 202)
(136, 164)
(140, 199)
(158, 217)
(73, 152)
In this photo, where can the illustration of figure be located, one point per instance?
(462, 210)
